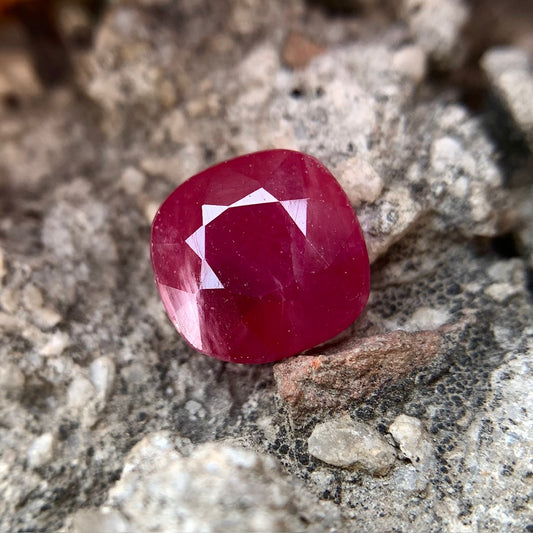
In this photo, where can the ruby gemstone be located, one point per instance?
(260, 257)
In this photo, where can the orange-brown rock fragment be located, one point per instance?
(317, 383)
(298, 50)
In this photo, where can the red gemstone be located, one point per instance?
(260, 257)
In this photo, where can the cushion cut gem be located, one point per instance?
(260, 257)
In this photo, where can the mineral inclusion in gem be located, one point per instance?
(260, 257)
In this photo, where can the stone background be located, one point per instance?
(417, 418)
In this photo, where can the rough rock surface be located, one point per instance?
(162, 490)
(89, 364)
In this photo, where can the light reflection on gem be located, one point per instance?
(296, 209)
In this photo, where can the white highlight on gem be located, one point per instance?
(197, 242)
(210, 212)
(208, 278)
(182, 308)
(257, 197)
(296, 209)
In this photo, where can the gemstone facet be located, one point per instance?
(260, 257)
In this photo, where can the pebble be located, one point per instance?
(436, 26)
(57, 342)
(510, 74)
(46, 318)
(166, 166)
(80, 392)
(359, 180)
(311, 384)
(41, 451)
(412, 438)
(411, 61)
(446, 152)
(510, 270)
(427, 318)
(102, 373)
(501, 292)
(132, 180)
(346, 443)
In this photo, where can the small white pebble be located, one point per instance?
(80, 392)
(446, 152)
(46, 318)
(511, 271)
(359, 179)
(195, 409)
(427, 318)
(57, 342)
(412, 438)
(411, 61)
(32, 297)
(41, 451)
(132, 180)
(502, 291)
(459, 188)
(346, 443)
(102, 372)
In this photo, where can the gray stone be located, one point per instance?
(511, 77)
(411, 62)
(160, 490)
(359, 180)
(41, 450)
(413, 440)
(436, 26)
(102, 372)
(80, 392)
(346, 443)
(132, 180)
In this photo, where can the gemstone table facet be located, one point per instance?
(260, 257)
